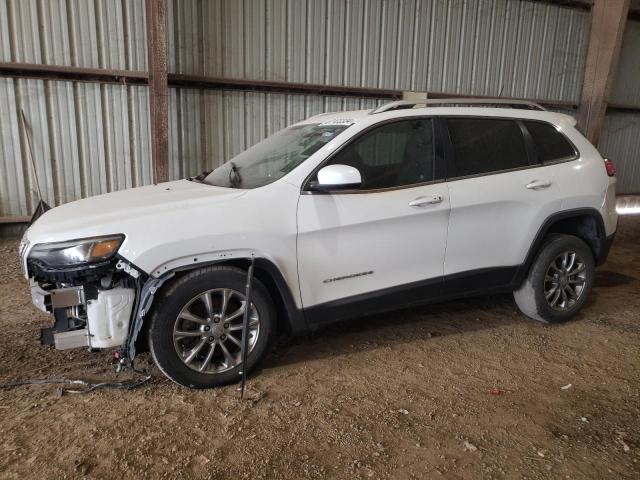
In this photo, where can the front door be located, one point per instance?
(382, 245)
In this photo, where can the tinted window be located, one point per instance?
(485, 145)
(550, 144)
(392, 155)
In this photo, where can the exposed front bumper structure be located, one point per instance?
(102, 322)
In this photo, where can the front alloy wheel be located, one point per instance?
(207, 334)
(195, 332)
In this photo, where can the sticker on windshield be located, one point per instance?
(338, 121)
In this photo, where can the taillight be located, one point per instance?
(610, 166)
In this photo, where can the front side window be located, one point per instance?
(550, 144)
(393, 155)
(485, 145)
(275, 156)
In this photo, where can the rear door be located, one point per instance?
(383, 244)
(500, 195)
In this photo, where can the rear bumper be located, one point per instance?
(604, 249)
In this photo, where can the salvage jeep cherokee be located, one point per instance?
(343, 215)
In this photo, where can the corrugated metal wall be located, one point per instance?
(208, 127)
(80, 33)
(621, 135)
(621, 142)
(87, 138)
(626, 87)
(484, 47)
(92, 138)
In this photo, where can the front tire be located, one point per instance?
(196, 327)
(559, 280)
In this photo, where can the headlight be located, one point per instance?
(77, 252)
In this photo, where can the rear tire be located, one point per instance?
(559, 280)
(202, 312)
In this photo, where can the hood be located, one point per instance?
(110, 213)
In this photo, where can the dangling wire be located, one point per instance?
(88, 386)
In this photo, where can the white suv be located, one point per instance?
(344, 214)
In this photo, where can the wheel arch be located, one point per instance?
(290, 318)
(584, 223)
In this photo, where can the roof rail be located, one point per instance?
(482, 102)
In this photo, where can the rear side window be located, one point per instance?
(550, 144)
(397, 154)
(485, 145)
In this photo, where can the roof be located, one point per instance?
(452, 107)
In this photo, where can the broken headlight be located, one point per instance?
(77, 252)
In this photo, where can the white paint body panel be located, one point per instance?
(339, 175)
(311, 238)
(184, 223)
(495, 218)
(376, 236)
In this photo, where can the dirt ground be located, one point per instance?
(466, 389)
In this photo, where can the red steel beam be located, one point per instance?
(609, 19)
(158, 87)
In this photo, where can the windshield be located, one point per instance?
(274, 157)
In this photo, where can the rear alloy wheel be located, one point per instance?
(565, 280)
(559, 280)
(195, 335)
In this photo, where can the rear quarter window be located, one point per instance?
(550, 144)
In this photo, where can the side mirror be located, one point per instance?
(336, 177)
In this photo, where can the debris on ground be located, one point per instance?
(469, 447)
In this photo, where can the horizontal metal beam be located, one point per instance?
(618, 107)
(576, 4)
(195, 81)
(5, 220)
(60, 72)
(56, 72)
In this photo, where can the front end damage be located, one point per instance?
(92, 302)
(99, 322)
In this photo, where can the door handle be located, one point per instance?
(423, 201)
(538, 184)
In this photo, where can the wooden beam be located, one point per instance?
(158, 87)
(608, 22)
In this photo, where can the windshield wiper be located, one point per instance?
(200, 178)
(234, 176)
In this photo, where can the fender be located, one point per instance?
(599, 252)
(294, 317)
